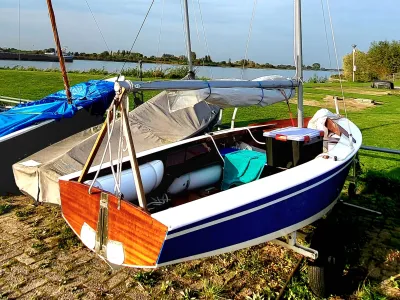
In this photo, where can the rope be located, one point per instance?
(137, 35)
(288, 105)
(249, 36)
(205, 37)
(254, 139)
(108, 145)
(338, 69)
(262, 93)
(98, 27)
(215, 144)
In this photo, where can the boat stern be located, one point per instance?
(118, 231)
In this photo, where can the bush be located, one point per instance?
(177, 72)
(317, 79)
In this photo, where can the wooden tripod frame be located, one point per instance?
(118, 102)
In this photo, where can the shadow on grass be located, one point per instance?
(379, 126)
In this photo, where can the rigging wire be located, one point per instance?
(159, 34)
(197, 31)
(338, 69)
(98, 27)
(137, 36)
(245, 57)
(326, 35)
(249, 35)
(204, 34)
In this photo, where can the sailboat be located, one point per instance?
(213, 193)
(30, 127)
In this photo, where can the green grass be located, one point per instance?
(379, 125)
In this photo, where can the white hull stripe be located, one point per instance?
(234, 216)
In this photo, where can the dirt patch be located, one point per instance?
(361, 91)
(329, 102)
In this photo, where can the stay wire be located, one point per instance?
(197, 31)
(340, 75)
(137, 36)
(326, 34)
(160, 32)
(205, 36)
(98, 27)
(249, 36)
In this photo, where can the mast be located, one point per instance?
(59, 51)
(299, 61)
(189, 46)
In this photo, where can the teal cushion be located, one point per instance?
(242, 167)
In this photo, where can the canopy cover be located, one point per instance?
(151, 124)
(231, 97)
(95, 93)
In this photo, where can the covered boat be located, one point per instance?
(30, 127)
(152, 125)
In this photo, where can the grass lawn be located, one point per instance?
(379, 124)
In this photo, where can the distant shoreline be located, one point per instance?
(31, 57)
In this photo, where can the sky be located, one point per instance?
(226, 24)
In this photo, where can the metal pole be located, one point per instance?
(59, 51)
(377, 149)
(189, 45)
(354, 62)
(299, 62)
(141, 70)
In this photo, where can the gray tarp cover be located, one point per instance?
(152, 125)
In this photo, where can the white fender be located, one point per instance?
(197, 179)
(151, 173)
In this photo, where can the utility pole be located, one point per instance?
(354, 62)
(299, 62)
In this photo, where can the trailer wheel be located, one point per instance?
(316, 280)
(352, 190)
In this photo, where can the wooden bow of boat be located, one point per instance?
(125, 236)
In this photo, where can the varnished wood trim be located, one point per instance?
(141, 235)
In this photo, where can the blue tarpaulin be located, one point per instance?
(94, 94)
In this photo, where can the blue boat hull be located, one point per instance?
(256, 222)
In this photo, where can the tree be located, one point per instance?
(193, 55)
(364, 71)
(316, 66)
(104, 54)
(385, 57)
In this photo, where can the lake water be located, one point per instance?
(210, 72)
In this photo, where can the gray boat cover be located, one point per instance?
(152, 125)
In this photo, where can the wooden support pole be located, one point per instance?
(132, 154)
(97, 144)
(59, 51)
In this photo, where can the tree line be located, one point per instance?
(123, 55)
(381, 61)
